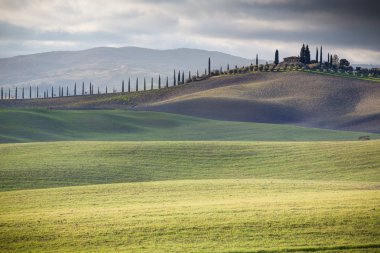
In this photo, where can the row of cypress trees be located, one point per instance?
(178, 79)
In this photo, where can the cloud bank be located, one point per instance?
(240, 27)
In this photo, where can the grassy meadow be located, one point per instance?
(23, 125)
(114, 180)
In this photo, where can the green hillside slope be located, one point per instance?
(43, 165)
(22, 125)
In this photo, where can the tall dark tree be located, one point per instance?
(189, 76)
(122, 86)
(90, 88)
(331, 60)
(82, 88)
(144, 84)
(151, 83)
(37, 92)
(2, 93)
(16, 93)
(159, 81)
(106, 89)
(307, 55)
(302, 54)
(9, 93)
(328, 58)
(129, 84)
(209, 66)
(30, 92)
(137, 84)
(52, 91)
(228, 67)
(23, 93)
(167, 82)
(175, 79)
(320, 56)
(67, 91)
(257, 60)
(98, 90)
(316, 56)
(75, 89)
(179, 78)
(183, 77)
(276, 61)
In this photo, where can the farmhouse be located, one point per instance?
(292, 59)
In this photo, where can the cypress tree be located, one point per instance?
(75, 89)
(137, 84)
(106, 89)
(30, 92)
(159, 81)
(228, 67)
(67, 91)
(90, 88)
(9, 93)
(174, 79)
(209, 66)
(1, 93)
(167, 82)
(144, 84)
(59, 91)
(328, 58)
(23, 93)
(179, 78)
(52, 92)
(183, 77)
(82, 88)
(276, 61)
(151, 83)
(302, 54)
(320, 56)
(16, 93)
(98, 90)
(37, 92)
(331, 58)
(122, 86)
(129, 84)
(307, 55)
(257, 60)
(189, 76)
(316, 56)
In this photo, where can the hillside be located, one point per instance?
(105, 66)
(297, 98)
(23, 125)
(190, 197)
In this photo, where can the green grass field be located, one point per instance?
(114, 180)
(190, 197)
(22, 125)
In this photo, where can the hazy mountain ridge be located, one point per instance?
(105, 65)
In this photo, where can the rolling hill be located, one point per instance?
(297, 98)
(105, 66)
(190, 197)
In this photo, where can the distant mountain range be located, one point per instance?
(108, 66)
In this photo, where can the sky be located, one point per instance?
(349, 28)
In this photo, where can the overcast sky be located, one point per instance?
(350, 28)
